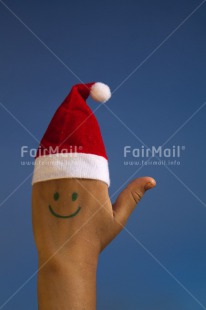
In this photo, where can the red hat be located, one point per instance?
(72, 146)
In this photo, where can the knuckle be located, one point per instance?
(136, 196)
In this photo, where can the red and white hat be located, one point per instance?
(72, 146)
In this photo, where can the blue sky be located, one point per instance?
(153, 58)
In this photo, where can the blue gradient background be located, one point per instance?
(106, 41)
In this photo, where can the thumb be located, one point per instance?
(129, 198)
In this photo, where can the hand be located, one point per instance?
(74, 220)
(78, 214)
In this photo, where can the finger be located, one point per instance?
(129, 198)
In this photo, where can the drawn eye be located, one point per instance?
(74, 196)
(56, 196)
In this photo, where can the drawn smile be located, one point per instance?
(64, 216)
(56, 197)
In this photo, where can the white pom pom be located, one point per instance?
(100, 92)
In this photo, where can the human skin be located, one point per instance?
(69, 247)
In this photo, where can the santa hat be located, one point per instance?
(72, 146)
